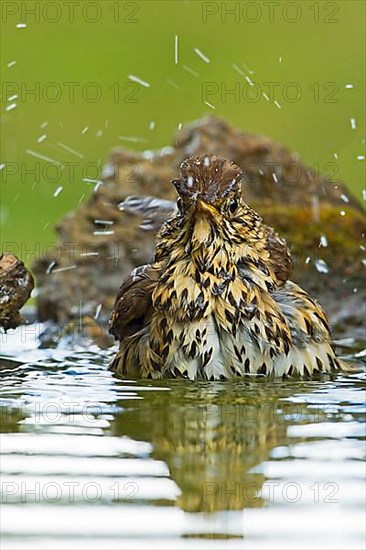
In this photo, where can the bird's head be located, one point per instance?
(210, 203)
(215, 229)
(209, 187)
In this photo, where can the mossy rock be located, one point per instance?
(81, 275)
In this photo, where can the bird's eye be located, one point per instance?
(233, 206)
(180, 204)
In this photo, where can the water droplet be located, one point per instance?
(69, 150)
(344, 198)
(321, 266)
(139, 80)
(323, 241)
(202, 55)
(190, 71)
(68, 268)
(173, 84)
(209, 105)
(50, 267)
(97, 311)
(133, 139)
(249, 80)
(104, 222)
(176, 49)
(315, 208)
(89, 254)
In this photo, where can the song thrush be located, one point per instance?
(217, 301)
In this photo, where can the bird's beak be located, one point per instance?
(205, 208)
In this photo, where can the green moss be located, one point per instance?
(303, 228)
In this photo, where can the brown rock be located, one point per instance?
(16, 284)
(99, 244)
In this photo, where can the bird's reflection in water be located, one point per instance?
(211, 435)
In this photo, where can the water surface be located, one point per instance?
(91, 461)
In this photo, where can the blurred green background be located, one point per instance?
(77, 58)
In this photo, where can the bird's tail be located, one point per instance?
(115, 364)
(125, 363)
(350, 367)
